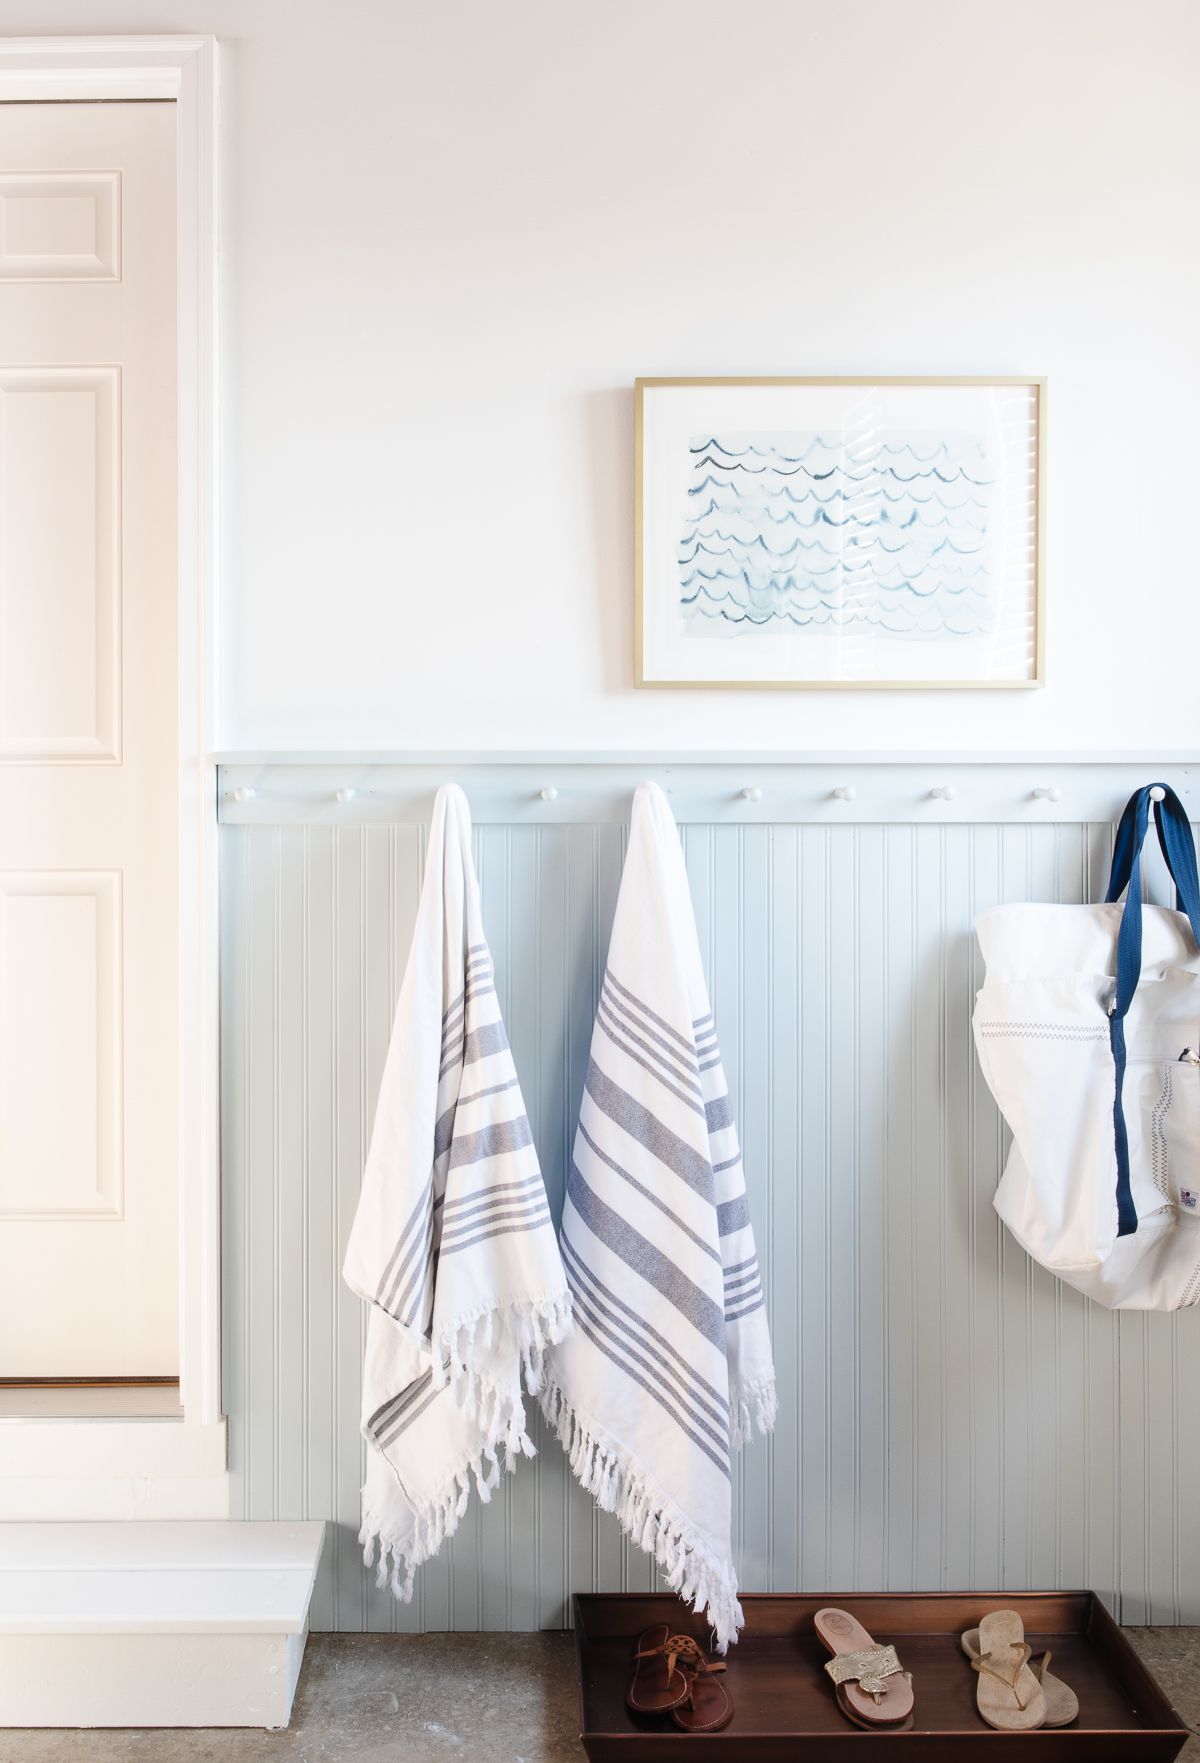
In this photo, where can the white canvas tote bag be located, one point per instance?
(1088, 1032)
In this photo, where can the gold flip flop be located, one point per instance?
(1062, 1704)
(1008, 1694)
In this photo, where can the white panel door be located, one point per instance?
(89, 743)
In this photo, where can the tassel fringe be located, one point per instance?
(527, 1329)
(752, 1405)
(708, 1584)
(523, 1326)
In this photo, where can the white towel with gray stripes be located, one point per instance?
(452, 1244)
(669, 1364)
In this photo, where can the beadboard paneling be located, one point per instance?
(949, 1414)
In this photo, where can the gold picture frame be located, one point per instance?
(1020, 641)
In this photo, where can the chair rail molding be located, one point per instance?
(182, 69)
(743, 788)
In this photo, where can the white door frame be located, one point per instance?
(183, 69)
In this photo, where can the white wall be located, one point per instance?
(455, 233)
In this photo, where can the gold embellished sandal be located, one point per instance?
(1062, 1704)
(1008, 1694)
(873, 1688)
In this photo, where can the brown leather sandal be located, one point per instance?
(708, 1705)
(873, 1688)
(658, 1683)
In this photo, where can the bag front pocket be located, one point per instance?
(1168, 1093)
(1052, 1077)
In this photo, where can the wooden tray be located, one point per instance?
(783, 1701)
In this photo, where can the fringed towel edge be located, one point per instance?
(525, 1325)
(752, 1405)
(531, 1328)
(644, 1514)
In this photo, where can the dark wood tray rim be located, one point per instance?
(607, 1615)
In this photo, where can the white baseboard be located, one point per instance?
(60, 1470)
(142, 1447)
(63, 1498)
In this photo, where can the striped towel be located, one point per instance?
(452, 1245)
(671, 1358)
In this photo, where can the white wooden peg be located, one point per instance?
(244, 793)
(1048, 793)
(549, 794)
(943, 792)
(1158, 794)
(752, 793)
(346, 794)
(844, 793)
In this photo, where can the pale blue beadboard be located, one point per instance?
(949, 1414)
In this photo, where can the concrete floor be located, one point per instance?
(444, 1698)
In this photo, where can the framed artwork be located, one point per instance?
(839, 532)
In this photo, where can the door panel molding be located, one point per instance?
(60, 226)
(61, 1012)
(58, 423)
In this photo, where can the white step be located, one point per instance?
(154, 1624)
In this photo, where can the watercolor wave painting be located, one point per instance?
(809, 532)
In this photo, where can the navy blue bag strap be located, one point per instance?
(1172, 826)
(1179, 852)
